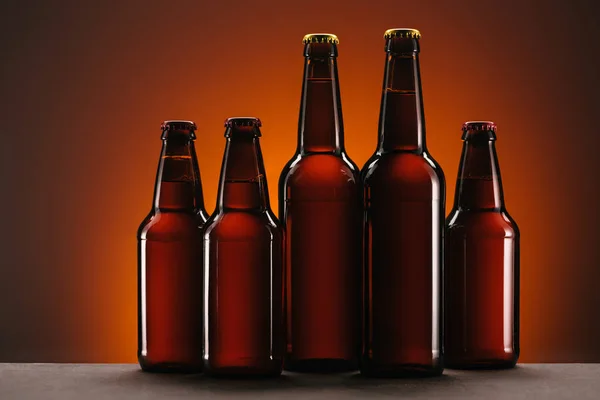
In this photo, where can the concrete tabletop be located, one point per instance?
(126, 381)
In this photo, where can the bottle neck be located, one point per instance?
(178, 186)
(243, 184)
(320, 124)
(401, 118)
(479, 186)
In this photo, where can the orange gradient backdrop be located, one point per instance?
(84, 87)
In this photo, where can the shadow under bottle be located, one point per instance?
(243, 271)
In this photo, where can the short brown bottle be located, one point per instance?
(170, 259)
(482, 261)
(243, 265)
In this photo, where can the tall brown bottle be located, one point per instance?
(404, 193)
(243, 265)
(319, 192)
(482, 261)
(170, 259)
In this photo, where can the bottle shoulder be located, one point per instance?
(167, 226)
(403, 170)
(481, 223)
(242, 225)
(319, 170)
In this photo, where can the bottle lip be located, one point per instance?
(320, 38)
(479, 126)
(178, 125)
(402, 33)
(178, 128)
(242, 121)
(244, 126)
(479, 129)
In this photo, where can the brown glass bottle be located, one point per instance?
(404, 193)
(319, 192)
(170, 259)
(243, 265)
(482, 262)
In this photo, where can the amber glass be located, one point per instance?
(243, 265)
(319, 206)
(170, 259)
(404, 193)
(482, 262)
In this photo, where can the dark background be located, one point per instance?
(84, 86)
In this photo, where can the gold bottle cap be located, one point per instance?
(402, 33)
(320, 38)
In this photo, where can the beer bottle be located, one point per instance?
(243, 265)
(404, 191)
(482, 261)
(170, 259)
(319, 206)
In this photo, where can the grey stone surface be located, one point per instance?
(126, 381)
